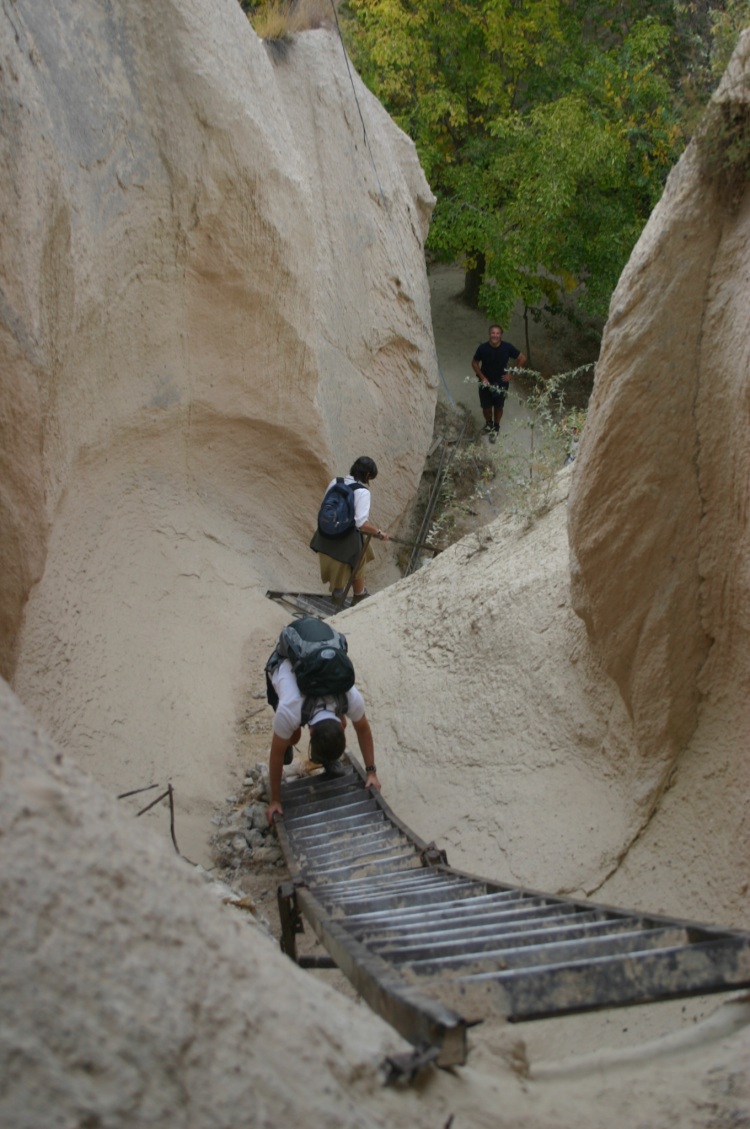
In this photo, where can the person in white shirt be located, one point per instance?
(339, 556)
(326, 718)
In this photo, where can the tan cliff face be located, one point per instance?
(658, 512)
(213, 296)
(215, 299)
(174, 235)
(658, 516)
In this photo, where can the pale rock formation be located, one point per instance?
(215, 298)
(659, 532)
(658, 516)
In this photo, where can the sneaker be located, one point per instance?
(358, 599)
(334, 769)
(494, 434)
(289, 754)
(488, 427)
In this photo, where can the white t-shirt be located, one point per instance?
(289, 710)
(361, 500)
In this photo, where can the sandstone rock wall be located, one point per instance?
(177, 221)
(659, 506)
(659, 530)
(214, 299)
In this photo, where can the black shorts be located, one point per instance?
(493, 396)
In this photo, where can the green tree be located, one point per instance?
(546, 129)
(727, 21)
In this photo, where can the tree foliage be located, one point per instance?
(545, 127)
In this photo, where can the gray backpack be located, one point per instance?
(319, 659)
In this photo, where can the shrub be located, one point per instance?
(520, 477)
(530, 476)
(277, 20)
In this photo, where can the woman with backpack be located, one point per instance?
(343, 519)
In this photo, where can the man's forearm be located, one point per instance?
(276, 767)
(367, 749)
(370, 527)
(366, 743)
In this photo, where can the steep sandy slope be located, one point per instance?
(492, 719)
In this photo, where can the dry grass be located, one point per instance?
(279, 19)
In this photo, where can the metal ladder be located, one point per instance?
(307, 603)
(435, 950)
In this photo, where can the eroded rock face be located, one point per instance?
(210, 274)
(659, 503)
(215, 298)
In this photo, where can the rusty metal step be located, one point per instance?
(308, 603)
(504, 945)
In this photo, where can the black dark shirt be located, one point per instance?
(494, 361)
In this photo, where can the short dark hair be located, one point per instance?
(495, 325)
(364, 467)
(327, 740)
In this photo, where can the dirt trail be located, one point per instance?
(458, 330)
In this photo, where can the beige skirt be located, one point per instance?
(336, 574)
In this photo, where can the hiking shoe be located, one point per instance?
(289, 754)
(334, 769)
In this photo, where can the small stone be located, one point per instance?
(225, 833)
(257, 816)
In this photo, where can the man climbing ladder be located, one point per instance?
(310, 681)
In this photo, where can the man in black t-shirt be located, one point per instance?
(489, 363)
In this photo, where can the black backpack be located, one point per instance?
(319, 659)
(336, 513)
